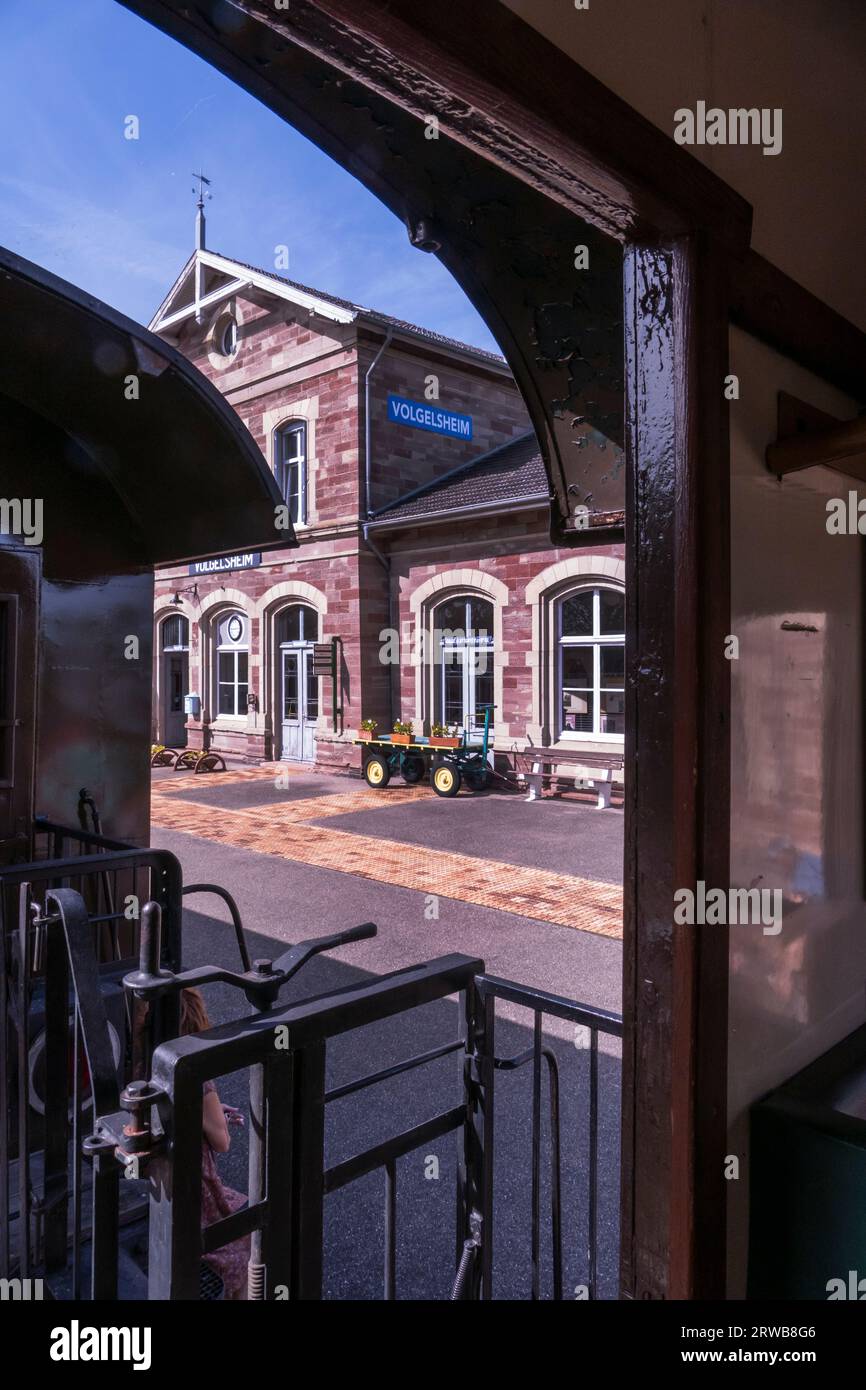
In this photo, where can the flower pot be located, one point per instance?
(366, 733)
(441, 741)
(401, 738)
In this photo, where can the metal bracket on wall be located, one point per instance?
(810, 438)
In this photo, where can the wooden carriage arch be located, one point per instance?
(523, 171)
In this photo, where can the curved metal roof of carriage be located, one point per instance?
(176, 460)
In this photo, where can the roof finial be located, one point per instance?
(203, 185)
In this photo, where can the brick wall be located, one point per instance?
(405, 457)
(512, 551)
(291, 364)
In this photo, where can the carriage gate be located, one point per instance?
(102, 1147)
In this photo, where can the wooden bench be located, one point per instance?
(600, 769)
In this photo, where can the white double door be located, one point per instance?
(300, 703)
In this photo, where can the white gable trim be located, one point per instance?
(240, 278)
(173, 293)
(224, 292)
(273, 286)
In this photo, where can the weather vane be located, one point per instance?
(203, 182)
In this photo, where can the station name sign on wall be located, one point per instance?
(428, 417)
(247, 561)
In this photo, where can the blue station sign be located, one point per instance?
(423, 416)
(245, 561)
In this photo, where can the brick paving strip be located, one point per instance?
(284, 830)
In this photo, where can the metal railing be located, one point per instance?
(146, 1114)
(46, 1082)
(595, 1022)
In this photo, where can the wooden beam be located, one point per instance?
(771, 306)
(477, 67)
(841, 446)
(678, 788)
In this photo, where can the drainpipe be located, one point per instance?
(382, 558)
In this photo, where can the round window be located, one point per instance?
(229, 339)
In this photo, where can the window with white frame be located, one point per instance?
(290, 466)
(175, 633)
(463, 633)
(232, 664)
(590, 626)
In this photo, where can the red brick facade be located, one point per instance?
(293, 364)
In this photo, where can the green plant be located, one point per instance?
(443, 730)
(369, 725)
(401, 727)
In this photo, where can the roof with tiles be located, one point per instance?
(372, 315)
(513, 472)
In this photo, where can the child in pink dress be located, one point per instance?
(217, 1199)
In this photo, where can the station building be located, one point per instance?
(416, 490)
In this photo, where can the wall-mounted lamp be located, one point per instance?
(177, 601)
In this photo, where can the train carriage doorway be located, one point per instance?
(297, 631)
(174, 637)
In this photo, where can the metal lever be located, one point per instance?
(291, 961)
(261, 984)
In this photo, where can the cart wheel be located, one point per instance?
(477, 778)
(377, 772)
(412, 768)
(445, 778)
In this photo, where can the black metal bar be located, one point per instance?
(307, 1171)
(23, 1072)
(475, 1172)
(536, 1156)
(105, 1227)
(513, 1064)
(175, 1244)
(554, 1004)
(77, 1137)
(390, 1230)
(593, 1165)
(256, 1159)
(5, 1116)
(247, 1221)
(55, 1142)
(59, 833)
(89, 998)
(391, 1149)
(598, 1021)
(277, 1236)
(235, 915)
(351, 1087)
(555, 1172)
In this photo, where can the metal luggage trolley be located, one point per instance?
(447, 768)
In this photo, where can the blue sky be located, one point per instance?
(116, 216)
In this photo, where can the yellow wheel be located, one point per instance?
(377, 771)
(446, 779)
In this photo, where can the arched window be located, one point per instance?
(463, 638)
(175, 633)
(591, 662)
(300, 623)
(232, 663)
(290, 466)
